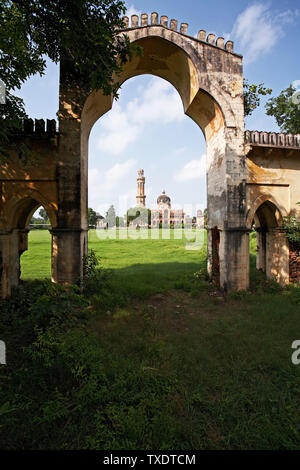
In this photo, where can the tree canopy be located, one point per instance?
(92, 216)
(285, 110)
(80, 30)
(252, 96)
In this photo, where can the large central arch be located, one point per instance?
(208, 77)
(209, 81)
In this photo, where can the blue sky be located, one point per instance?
(147, 127)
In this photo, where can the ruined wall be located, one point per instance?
(273, 168)
(294, 264)
(208, 76)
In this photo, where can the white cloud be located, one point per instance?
(159, 104)
(258, 28)
(104, 186)
(118, 131)
(133, 11)
(192, 170)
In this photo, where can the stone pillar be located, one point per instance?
(5, 277)
(69, 238)
(234, 259)
(23, 246)
(15, 258)
(277, 256)
(68, 248)
(12, 245)
(213, 255)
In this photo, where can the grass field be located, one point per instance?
(185, 366)
(142, 266)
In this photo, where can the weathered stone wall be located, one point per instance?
(273, 191)
(294, 264)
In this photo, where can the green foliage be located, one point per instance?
(184, 369)
(77, 32)
(252, 96)
(286, 113)
(92, 217)
(43, 214)
(291, 226)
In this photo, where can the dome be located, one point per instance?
(163, 198)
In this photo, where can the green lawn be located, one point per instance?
(174, 365)
(141, 266)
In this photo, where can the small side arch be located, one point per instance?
(272, 256)
(275, 214)
(20, 208)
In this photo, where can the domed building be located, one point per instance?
(164, 215)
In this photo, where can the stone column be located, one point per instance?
(234, 259)
(277, 256)
(5, 277)
(68, 248)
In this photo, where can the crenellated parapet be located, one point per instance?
(146, 20)
(38, 127)
(273, 139)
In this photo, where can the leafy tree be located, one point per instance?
(252, 95)
(92, 216)
(285, 111)
(44, 216)
(119, 221)
(291, 226)
(111, 217)
(81, 32)
(141, 213)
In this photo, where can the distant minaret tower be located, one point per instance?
(141, 198)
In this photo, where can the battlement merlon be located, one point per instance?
(37, 127)
(272, 139)
(145, 22)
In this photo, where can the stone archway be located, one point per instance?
(209, 81)
(14, 234)
(240, 166)
(272, 244)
